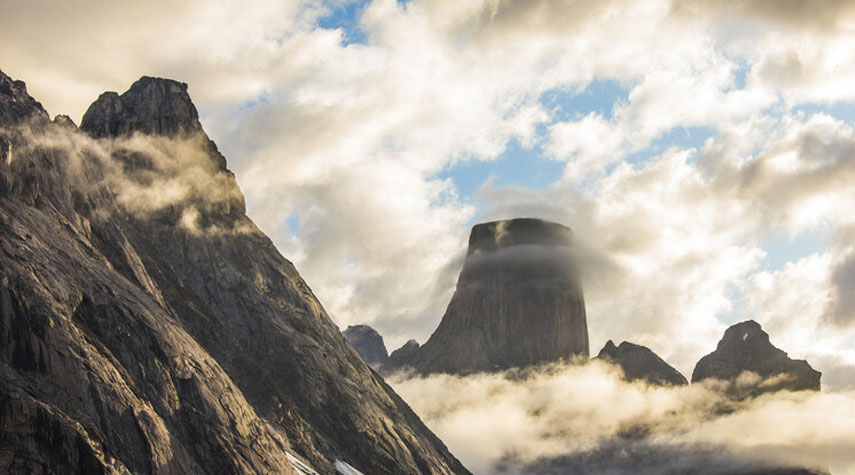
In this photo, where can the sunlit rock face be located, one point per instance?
(367, 342)
(133, 340)
(518, 302)
(752, 365)
(640, 363)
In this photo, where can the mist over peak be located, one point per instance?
(149, 326)
(518, 302)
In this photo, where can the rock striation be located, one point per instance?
(518, 302)
(747, 359)
(639, 363)
(367, 342)
(145, 336)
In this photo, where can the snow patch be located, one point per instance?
(300, 466)
(344, 469)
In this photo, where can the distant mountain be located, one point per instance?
(367, 342)
(400, 357)
(640, 363)
(148, 326)
(518, 302)
(747, 359)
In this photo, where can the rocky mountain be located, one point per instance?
(747, 359)
(399, 358)
(640, 363)
(518, 302)
(367, 342)
(148, 326)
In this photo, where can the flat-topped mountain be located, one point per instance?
(518, 302)
(641, 363)
(143, 335)
(745, 349)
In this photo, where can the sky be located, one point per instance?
(701, 150)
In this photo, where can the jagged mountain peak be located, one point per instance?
(368, 343)
(745, 349)
(641, 363)
(16, 104)
(744, 335)
(134, 343)
(151, 105)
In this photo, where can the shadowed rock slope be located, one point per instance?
(641, 363)
(149, 327)
(400, 358)
(747, 359)
(367, 342)
(518, 302)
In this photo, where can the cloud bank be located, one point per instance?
(586, 419)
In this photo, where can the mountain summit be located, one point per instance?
(152, 106)
(518, 302)
(148, 326)
(367, 342)
(640, 363)
(747, 359)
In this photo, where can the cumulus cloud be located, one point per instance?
(337, 146)
(586, 419)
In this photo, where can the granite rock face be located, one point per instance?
(640, 363)
(746, 358)
(137, 340)
(367, 342)
(518, 302)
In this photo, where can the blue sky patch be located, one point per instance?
(681, 137)
(781, 249)
(599, 96)
(516, 166)
(844, 111)
(346, 16)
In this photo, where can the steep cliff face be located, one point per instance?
(518, 302)
(747, 359)
(367, 342)
(641, 363)
(150, 327)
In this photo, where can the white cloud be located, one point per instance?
(347, 139)
(579, 411)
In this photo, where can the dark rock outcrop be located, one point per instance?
(744, 350)
(150, 106)
(641, 363)
(134, 343)
(518, 302)
(16, 105)
(63, 120)
(400, 357)
(367, 342)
